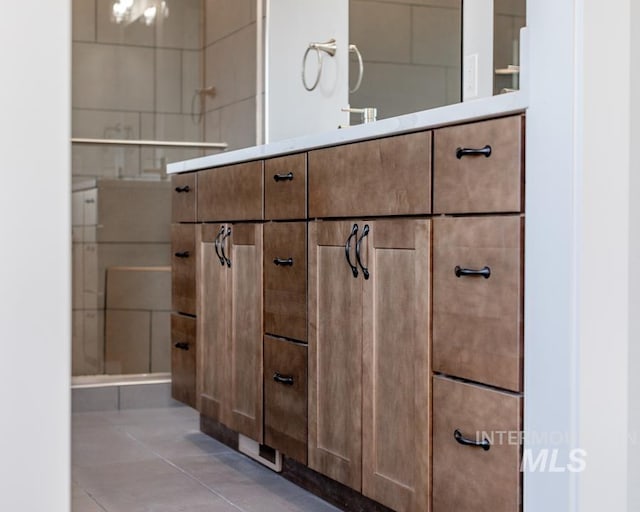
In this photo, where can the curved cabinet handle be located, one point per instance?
(182, 345)
(347, 250)
(287, 380)
(180, 190)
(222, 243)
(283, 177)
(463, 272)
(365, 270)
(283, 262)
(484, 444)
(217, 245)
(182, 254)
(486, 151)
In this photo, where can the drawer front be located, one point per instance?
(477, 318)
(285, 279)
(230, 193)
(468, 477)
(390, 176)
(285, 397)
(183, 268)
(285, 187)
(183, 197)
(474, 182)
(183, 359)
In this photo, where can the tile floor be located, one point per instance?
(157, 460)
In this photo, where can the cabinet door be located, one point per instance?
(245, 341)
(335, 356)
(285, 279)
(213, 326)
(183, 359)
(183, 268)
(183, 197)
(396, 366)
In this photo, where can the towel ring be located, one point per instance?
(328, 47)
(354, 49)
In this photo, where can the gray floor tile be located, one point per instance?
(97, 446)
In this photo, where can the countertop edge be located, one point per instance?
(479, 109)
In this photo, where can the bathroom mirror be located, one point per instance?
(413, 56)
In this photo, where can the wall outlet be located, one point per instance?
(470, 77)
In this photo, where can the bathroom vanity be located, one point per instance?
(354, 301)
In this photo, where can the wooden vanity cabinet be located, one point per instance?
(366, 348)
(183, 197)
(230, 326)
(183, 359)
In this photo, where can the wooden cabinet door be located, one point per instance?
(213, 326)
(396, 366)
(335, 355)
(183, 359)
(244, 250)
(183, 268)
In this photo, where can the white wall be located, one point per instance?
(35, 257)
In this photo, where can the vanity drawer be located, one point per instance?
(468, 477)
(285, 187)
(467, 183)
(477, 299)
(183, 268)
(183, 359)
(390, 176)
(285, 279)
(183, 197)
(285, 397)
(231, 193)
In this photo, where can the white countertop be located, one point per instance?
(460, 112)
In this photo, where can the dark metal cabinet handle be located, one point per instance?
(283, 177)
(365, 270)
(182, 345)
(486, 151)
(347, 250)
(217, 246)
(283, 262)
(462, 272)
(182, 254)
(287, 380)
(222, 243)
(186, 188)
(484, 444)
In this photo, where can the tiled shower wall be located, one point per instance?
(411, 51)
(230, 66)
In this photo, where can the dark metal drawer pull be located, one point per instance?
(186, 188)
(484, 444)
(284, 262)
(183, 254)
(365, 270)
(217, 246)
(182, 345)
(283, 177)
(486, 151)
(484, 272)
(347, 250)
(287, 380)
(222, 243)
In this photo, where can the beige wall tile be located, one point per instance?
(182, 28)
(105, 162)
(83, 26)
(104, 124)
(224, 17)
(396, 89)
(112, 77)
(437, 36)
(432, 3)
(212, 131)
(513, 7)
(160, 341)
(238, 124)
(382, 31)
(191, 79)
(454, 91)
(77, 276)
(139, 288)
(168, 82)
(127, 341)
(136, 33)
